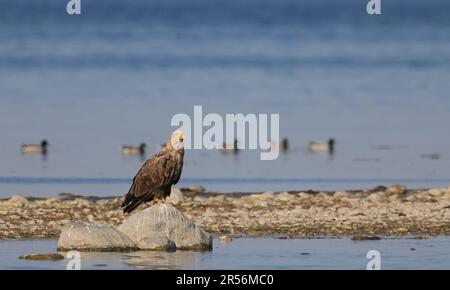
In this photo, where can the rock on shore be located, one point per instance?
(86, 236)
(162, 226)
(43, 257)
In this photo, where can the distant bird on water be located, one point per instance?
(134, 150)
(317, 147)
(35, 148)
(283, 145)
(154, 180)
(230, 148)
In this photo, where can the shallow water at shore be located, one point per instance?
(251, 253)
(101, 187)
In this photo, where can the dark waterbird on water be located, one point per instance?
(134, 150)
(283, 145)
(230, 148)
(317, 147)
(35, 148)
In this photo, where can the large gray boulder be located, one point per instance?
(162, 226)
(85, 236)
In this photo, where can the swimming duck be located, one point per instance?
(317, 147)
(230, 148)
(283, 145)
(35, 148)
(134, 150)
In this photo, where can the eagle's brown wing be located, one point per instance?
(155, 177)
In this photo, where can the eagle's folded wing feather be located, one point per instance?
(153, 176)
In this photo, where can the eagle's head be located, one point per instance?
(176, 140)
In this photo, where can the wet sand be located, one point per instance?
(363, 214)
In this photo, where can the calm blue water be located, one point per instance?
(250, 253)
(117, 73)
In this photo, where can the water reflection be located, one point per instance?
(248, 253)
(162, 260)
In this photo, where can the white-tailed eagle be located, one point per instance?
(154, 180)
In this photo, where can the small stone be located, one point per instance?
(396, 189)
(82, 202)
(51, 201)
(284, 196)
(365, 238)
(322, 195)
(342, 211)
(210, 212)
(176, 196)
(225, 238)
(402, 230)
(411, 198)
(17, 201)
(200, 199)
(379, 188)
(436, 192)
(303, 195)
(42, 257)
(90, 218)
(197, 188)
(266, 195)
(262, 203)
(102, 202)
(217, 198)
(261, 196)
(340, 194)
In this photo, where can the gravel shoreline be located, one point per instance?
(364, 214)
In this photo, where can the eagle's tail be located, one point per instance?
(129, 206)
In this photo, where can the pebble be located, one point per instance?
(265, 195)
(365, 238)
(396, 189)
(90, 218)
(340, 194)
(82, 202)
(17, 201)
(176, 196)
(436, 192)
(197, 188)
(303, 195)
(284, 196)
(225, 238)
(42, 257)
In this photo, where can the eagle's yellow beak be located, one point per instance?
(181, 137)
